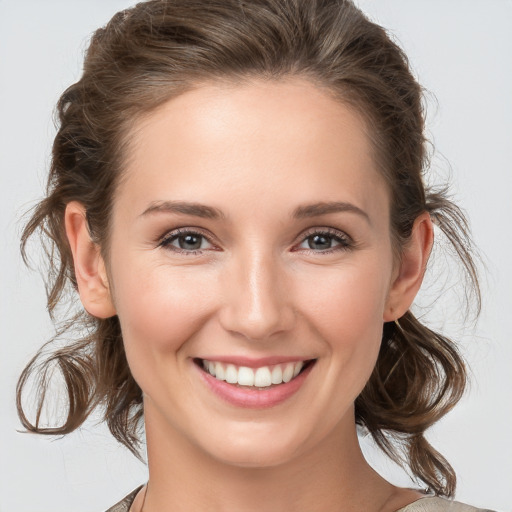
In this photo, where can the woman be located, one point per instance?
(236, 193)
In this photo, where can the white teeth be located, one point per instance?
(219, 371)
(277, 375)
(231, 374)
(245, 376)
(288, 372)
(261, 377)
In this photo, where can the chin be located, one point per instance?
(254, 458)
(255, 451)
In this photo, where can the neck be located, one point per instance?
(331, 477)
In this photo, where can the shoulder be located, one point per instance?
(435, 504)
(125, 504)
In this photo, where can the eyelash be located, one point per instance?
(343, 240)
(165, 241)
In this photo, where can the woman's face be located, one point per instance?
(251, 230)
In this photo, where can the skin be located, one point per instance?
(256, 288)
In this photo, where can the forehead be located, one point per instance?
(261, 138)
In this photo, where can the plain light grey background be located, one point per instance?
(461, 51)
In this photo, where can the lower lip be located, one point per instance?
(254, 398)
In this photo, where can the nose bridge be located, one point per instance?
(257, 303)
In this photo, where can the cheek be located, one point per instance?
(159, 308)
(348, 298)
(346, 309)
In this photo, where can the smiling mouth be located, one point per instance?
(262, 378)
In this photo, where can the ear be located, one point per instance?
(90, 270)
(411, 269)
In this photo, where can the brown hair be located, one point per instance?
(148, 54)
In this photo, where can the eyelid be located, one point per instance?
(346, 242)
(325, 230)
(164, 240)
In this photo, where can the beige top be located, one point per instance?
(426, 504)
(434, 504)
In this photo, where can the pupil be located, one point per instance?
(319, 242)
(189, 242)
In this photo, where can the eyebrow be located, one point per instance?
(186, 208)
(209, 212)
(325, 208)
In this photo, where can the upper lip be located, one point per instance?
(257, 362)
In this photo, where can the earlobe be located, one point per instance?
(409, 276)
(90, 270)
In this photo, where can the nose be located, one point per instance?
(258, 303)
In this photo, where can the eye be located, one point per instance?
(185, 241)
(326, 241)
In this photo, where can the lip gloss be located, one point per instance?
(253, 398)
